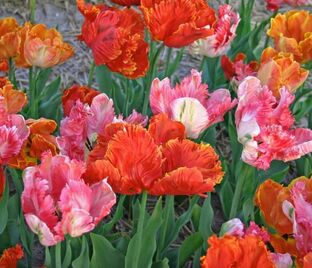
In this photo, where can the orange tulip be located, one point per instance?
(127, 2)
(14, 99)
(292, 33)
(159, 160)
(9, 39)
(231, 251)
(190, 168)
(164, 129)
(136, 158)
(77, 92)
(45, 47)
(282, 245)
(269, 198)
(116, 38)
(39, 141)
(178, 23)
(278, 69)
(10, 257)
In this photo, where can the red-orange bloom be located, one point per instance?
(9, 39)
(178, 23)
(10, 257)
(4, 65)
(14, 99)
(269, 198)
(189, 168)
(278, 69)
(126, 2)
(164, 129)
(39, 141)
(307, 260)
(237, 69)
(116, 38)
(136, 157)
(77, 92)
(292, 33)
(231, 251)
(160, 160)
(2, 182)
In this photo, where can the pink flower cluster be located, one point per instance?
(56, 201)
(265, 126)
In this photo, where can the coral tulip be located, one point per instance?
(279, 69)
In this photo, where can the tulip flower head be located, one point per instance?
(292, 33)
(190, 103)
(224, 32)
(56, 201)
(264, 126)
(178, 23)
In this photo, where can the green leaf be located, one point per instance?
(117, 216)
(206, 219)
(48, 258)
(161, 264)
(226, 197)
(276, 172)
(42, 78)
(82, 261)
(248, 210)
(148, 243)
(104, 254)
(50, 90)
(182, 220)
(68, 255)
(103, 77)
(4, 207)
(189, 246)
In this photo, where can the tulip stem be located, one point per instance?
(237, 195)
(12, 77)
(164, 230)
(149, 79)
(91, 74)
(33, 11)
(140, 227)
(167, 64)
(58, 258)
(33, 94)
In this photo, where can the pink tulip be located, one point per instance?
(282, 260)
(276, 4)
(56, 201)
(190, 103)
(224, 30)
(264, 126)
(134, 118)
(13, 132)
(83, 124)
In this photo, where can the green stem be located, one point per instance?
(140, 227)
(126, 104)
(33, 94)
(58, 256)
(91, 74)
(169, 202)
(237, 196)
(150, 77)
(33, 11)
(12, 76)
(168, 61)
